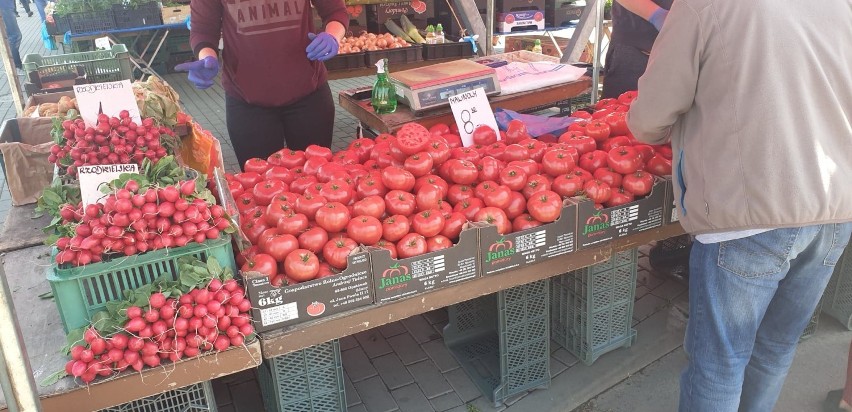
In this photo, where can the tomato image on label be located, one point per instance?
(395, 275)
(315, 309)
(500, 251)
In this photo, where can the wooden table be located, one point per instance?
(43, 337)
(280, 342)
(519, 102)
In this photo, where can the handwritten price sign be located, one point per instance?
(471, 110)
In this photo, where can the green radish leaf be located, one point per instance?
(213, 266)
(51, 379)
(74, 337)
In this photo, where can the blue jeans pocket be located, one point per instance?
(761, 255)
(838, 244)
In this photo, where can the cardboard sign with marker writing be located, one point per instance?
(471, 110)
(93, 177)
(107, 98)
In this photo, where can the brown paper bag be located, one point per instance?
(201, 151)
(25, 148)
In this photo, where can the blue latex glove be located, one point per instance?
(323, 46)
(658, 17)
(201, 72)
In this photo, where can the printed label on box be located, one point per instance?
(598, 226)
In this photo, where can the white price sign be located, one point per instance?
(103, 43)
(471, 110)
(92, 177)
(107, 98)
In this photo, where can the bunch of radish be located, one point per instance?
(170, 324)
(113, 140)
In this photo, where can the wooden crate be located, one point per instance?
(517, 43)
(175, 15)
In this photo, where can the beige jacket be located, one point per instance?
(756, 96)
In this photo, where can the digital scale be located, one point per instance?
(429, 87)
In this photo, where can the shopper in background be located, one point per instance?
(13, 32)
(40, 6)
(635, 24)
(26, 5)
(276, 90)
(755, 98)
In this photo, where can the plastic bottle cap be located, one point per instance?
(381, 65)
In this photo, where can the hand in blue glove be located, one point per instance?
(323, 46)
(658, 17)
(201, 72)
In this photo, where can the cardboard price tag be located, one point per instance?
(108, 98)
(92, 177)
(471, 110)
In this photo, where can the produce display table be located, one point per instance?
(520, 102)
(280, 342)
(43, 336)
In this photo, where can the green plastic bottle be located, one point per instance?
(537, 46)
(383, 98)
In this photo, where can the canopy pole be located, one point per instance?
(11, 73)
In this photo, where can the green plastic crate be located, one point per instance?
(193, 398)
(502, 340)
(310, 380)
(838, 294)
(592, 308)
(99, 66)
(80, 292)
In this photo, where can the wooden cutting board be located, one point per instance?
(440, 73)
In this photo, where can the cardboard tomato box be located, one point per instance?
(504, 252)
(401, 278)
(277, 307)
(599, 226)
(670, 214)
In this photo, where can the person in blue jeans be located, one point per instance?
(13, 32)
(762, 136)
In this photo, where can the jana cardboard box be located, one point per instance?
(670, 208)
(598, 226)
(401, 278)
(277, 307)
(378, 14)
(175, 15)
(504, 252)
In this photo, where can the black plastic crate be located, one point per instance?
(346, 61)
(91, 22)
(401, 55)
(449, 49)
(128, 17)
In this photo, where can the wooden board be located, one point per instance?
(440, 73)
(280, 342)
(43, 337)
(21, 230)
(520, 102)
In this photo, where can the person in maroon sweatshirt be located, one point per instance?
(276, 91)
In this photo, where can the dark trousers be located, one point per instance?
(624, 66)
(260, 131)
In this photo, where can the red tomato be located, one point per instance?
(646, 151)
(557, 162)
(264, 192)
(431, 180)
(529, 166)
(484, 135)
(458, 193)
(497, 196)
(309, 204)
(581, 114)
(489, 168)
(535, 148)
(536, 183)
(598, 130)
(412, 244)
(301, 265)
(462, 172)
(384, 137)
(302, 183)
(614, 142)
(624, 159)
(617, 123)
(369, 206)
(328, 171)
(428, 197)
(582, 143)
(337, 191)
(664, 150)
(398, 202)
(395, 227)
(346, 157)
(248, 179)
(469, 207)
(276, 211)
(279, 173)
(608, 176)
(599, 115)
(362, 147)
(659, 166)
(638, 183)
(465, 153)
(494, 150)
(395, 178)
(313, 164)
(452, 139)
(253, 228)
(496, 217)
(336, 251)
(604, 103)
(568, 185)
(366, 230)
(292, 224)
(428, 223)
(245, 201)
(515, 152)
(333, 217)
(628, 97)
(524, 222)
(387, 245)
(597, 191)
(412, 138)
(513, 177)
(369, 186)
(582, 174)
(438, 242)
(264, 237)
(438, 150)
(453, 224)
(313, 239)
(279, 246)
(545, 206)
(517, 205)
(246, 254)
(261, 263)
(290, 158)
(318, 151)
(439, 129)
(619, 197)
(593, 160)
(235, 187)
(516, 131)
(256, 165)
(419, 164)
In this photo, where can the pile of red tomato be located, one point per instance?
(411, 193)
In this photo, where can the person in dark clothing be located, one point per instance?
(635, 24)
(276, 89)
(26, 5)
(13, 32)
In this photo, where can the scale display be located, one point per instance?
(440, 95)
